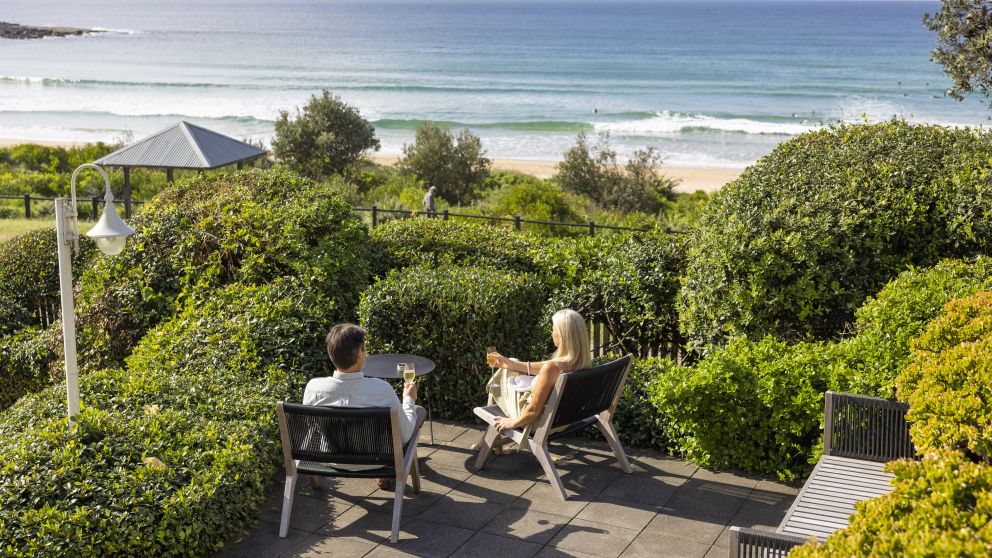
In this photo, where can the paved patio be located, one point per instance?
(667, 507)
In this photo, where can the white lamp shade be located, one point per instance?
(111, 232)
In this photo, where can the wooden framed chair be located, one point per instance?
(315, 440)
(579, 399)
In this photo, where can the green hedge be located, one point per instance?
(451, 315)
(753, 406)
(198, 396)
(949, 384)
(633, 289)
(794, 246)
(25, 361)
(29, 279)
(939, 506)
(871, 360)
(250, 227)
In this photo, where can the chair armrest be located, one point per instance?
(869, 428)
(751, 542)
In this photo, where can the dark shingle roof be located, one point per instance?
(183, 146)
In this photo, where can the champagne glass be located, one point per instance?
(410, 372)
(491, 356)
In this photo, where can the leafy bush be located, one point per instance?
(632, 288)
(450, 315)
(939, 506)
(756, 406)
(595, 172)
(251, 227)
(25, 360)
(638, 422)
(535, 200)
(949, 383)
(456, 166)
(29, 279)
(795, 244)
(174, 452)
(325, 138)
(870, 361)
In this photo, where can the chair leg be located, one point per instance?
(606, 427)
(544, 458)
(486, 446)
(397, 510)
(287, 504)
(415, 472)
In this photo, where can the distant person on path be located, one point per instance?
(349, 387)
(429, 200)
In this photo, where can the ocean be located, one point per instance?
(707, 83)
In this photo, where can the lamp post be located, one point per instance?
(110, 234)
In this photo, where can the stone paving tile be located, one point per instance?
(530, 525)
(587, 481)
(598, 539)
(763, 513)
(462, 510)
(656, 491)
(359, 523)
(552, 552)
(424, 538)
(619, 513)
(726, 477)
(700, 530)
(262, 540)
(718, 552)
(710, 500)
(662, 466)
(322, 545)
(309, 514)
(656, 545)
(494, 486)
(351, 490)
(444, 431)
(541, 497)
(486, 545)
(452, 457)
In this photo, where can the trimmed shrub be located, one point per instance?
(638, 422)
(25, 358)
(754, 406)
(794, 246)
(633, 289)
(939, 506)
(949, 384)
(450, 315)
(250, 228)
(870, 361)
(172, 453)
(29, 279)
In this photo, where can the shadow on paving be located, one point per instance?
(666, 507)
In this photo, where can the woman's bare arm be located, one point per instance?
(540, 393)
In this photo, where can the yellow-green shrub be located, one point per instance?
(949, 384)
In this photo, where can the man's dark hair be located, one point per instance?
(343, 343)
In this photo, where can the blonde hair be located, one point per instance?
(573, 348)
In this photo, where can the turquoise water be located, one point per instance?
(707, 83)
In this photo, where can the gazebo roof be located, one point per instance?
(182, 146)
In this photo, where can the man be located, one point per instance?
(429, 200)
(349, 387)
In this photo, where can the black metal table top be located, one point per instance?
(384, 366)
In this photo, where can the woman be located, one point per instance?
(571, 339)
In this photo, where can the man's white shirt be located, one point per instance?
(354, 389)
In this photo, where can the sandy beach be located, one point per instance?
(690, 178)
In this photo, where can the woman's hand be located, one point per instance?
(502, 423)
(499, 360)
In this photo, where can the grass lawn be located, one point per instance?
(9, 228)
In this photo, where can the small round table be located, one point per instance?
(384, 366)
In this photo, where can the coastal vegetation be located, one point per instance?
(852, 258)
(456, 166)
(962, 30)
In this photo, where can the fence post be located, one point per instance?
(444, 214)
(27, 206)
(96, 207)
(516, 222)
(592, 228)
(375, 215)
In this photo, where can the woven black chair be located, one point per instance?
(318, 440)
(579, 399)
(860, 434)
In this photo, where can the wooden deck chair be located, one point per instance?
(315, 439)
(579, 399)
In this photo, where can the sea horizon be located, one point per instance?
(713, 84)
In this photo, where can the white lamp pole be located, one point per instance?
(110, 234)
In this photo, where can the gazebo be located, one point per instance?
(182, 146)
